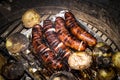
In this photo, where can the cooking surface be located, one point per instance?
(106, 10)
(32, 63)
(17, 10)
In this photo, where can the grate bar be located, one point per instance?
(11, 28)
(17, 26)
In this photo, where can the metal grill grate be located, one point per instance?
(99, 35)
(31, 63)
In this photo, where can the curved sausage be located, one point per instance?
(60, 49)
(42, 50)
(66, 37)
(76, 30)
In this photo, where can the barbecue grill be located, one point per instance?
(92, 15)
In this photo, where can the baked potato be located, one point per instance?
(17, 42)
(79, 60)
(106, 74)
(116, 59)
(30, 18)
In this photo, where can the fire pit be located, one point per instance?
(96, 23)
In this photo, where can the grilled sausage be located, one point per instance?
(66, 37)
(42, 50)
(76, 30)
(53, 41)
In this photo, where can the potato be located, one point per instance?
(79, 60)
(13, 70)
(30, 18)
(116, 59)
(1, 77)
(62, 75)
(100, 44)
(17, 42)
(106, 74)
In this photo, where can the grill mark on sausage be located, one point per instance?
(78, 31)
(44, 52)
(53, 40)
(66, 37)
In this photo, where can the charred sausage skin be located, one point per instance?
(77, 30)
(60, 49)
(42, 50)
(66, 37)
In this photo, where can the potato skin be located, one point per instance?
(17, 42)
(79, 60)
(116, 59)
(30, 18)
(106, 74)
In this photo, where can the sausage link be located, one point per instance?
(42, 50)
(51, 36)
(78, 31)
(66, 37)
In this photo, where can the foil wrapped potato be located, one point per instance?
(30, 18)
